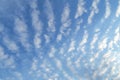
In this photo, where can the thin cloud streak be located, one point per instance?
(50, 16)
(94, 11)
(80, 9)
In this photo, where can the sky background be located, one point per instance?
(59, 39)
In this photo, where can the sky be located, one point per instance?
(59, 39)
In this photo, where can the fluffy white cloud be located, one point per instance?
(10, 44)
(118, 9)
(47, 38)
(58, 63)
(37, 41)
(21, 30)
(6, 61)
(84, 39)
(107, 11)
(50, 16)
(82, 43)
(66, 22)
(102, 44)
(52, 52)
(93, 11)
(59, 37)
(36, 23)
(78, 23)
(72, 46)
(65, 19)
(80, 8)
(18, 75)
(117, 35)
(66, 13)
(95, 38)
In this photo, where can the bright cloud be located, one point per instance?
(93, 11)
(6, 61)
(107, 11)
(21, 30)
(72, 46)
(50, 16)
(80, 8)
(118, 9)
(58, 40)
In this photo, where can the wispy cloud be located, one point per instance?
(6, 61)
(58, 63)
(95, 38)
(83, 42)
(80, 8)
(59, 37)
(102, 44)
(50, 16)
(118, 9)
(10, 44)
(72, 46)
(37, 40)
(65, 15)
(21, 30)
(107, 11)
(36, 23)
(117, 35)
(52, 52)
(93, 11)
(18, 75)
(66, 22)
(78, 23)
(84, 39)
(47, 38)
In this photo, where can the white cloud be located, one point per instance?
(83, 42)
(59, 37)
(103, 71)
(11, 45)
(18, 75)
(67, 76)
(21, 30)
(66, 13)
(37, 24)
(84, 39)
(117, 35)
(58, 63)
(95, 38)
(78, 23)
(6, 61)
(107, 11)
(107, 55)
(72, 46)
(93, 11)
(37, 41)
(47, 38)
(65, 18)
(102, 44)
(34, 65)
(118, 10)
(50, 16)
(52, 52)
(66, 22)
(92, 59)
(80, 8)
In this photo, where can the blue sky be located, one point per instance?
(60, 40)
